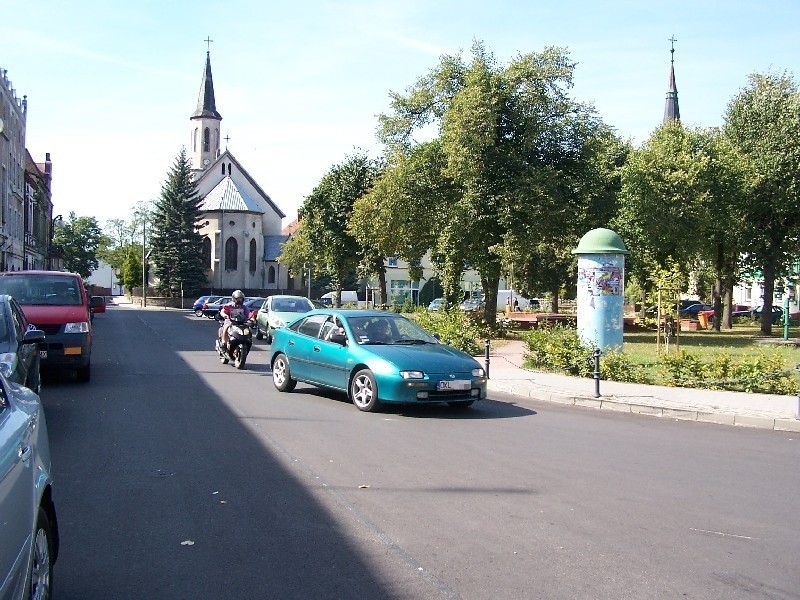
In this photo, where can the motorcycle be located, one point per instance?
(240, 340)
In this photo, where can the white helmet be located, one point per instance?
(238, 295)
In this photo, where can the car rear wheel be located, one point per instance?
(364, 391)
(282, 375)
(41, 575)
(198, 312)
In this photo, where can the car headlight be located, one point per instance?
(412, 374)
(82, 327)
(479, 372)
(276, 322)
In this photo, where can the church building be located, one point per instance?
(241, 225)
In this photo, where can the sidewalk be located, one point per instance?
(730, 408)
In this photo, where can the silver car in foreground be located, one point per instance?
(28, 525)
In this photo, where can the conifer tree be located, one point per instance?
(176, 244)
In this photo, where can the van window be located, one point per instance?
(42, 290)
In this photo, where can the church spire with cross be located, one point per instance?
(671, 110)
(205, 121)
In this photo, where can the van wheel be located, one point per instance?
(84, 373)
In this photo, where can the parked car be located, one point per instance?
(28, 525)
(777, 314)
(436, 304)
(374, 357)
(277, 311)
(19, 346)
(57, 303)
(97, 304)
(211, 309)
(254, 303)
(198, 305)
(692, 310)
(472, 304)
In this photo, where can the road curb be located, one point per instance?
(654, 410)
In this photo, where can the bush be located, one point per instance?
(558, 349)
(615, 365)
(454, 328)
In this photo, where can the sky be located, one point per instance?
(111, 84)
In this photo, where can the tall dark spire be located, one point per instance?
(671, 110)
(206, 105)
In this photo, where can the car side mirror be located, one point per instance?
(338, 337)
(33, 336)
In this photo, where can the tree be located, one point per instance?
(79, 238)
(130, 271)
(512, 139)
(325, 216)
(763, 124)
(177, 247)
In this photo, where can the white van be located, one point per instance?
(348, 297)
(508, 296)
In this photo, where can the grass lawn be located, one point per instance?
(740, 341)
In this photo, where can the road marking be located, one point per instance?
(722, 534)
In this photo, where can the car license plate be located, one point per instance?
(453, 384)
(42, 353)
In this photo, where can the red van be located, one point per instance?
(57, 303)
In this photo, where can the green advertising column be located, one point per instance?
(601, 285)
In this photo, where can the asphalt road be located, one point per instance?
(178, 477)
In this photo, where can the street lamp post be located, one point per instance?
(50, 248)
(144, 263)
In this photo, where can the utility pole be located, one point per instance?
(144, 263)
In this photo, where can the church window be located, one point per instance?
(206, 252)
(206, 140)
(271, 276)
(223, 169)
(252, 256)
(231, 252)
(229, 169)
(194, 140)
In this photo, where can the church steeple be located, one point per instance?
(671, 110)
(205, 122)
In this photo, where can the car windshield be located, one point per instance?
(388, 329)
(298, 305)
(41, 289)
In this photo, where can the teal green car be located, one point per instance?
(375, 357)
(277, 311)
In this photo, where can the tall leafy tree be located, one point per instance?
(763, 123)
(175, 242)
(79, 238)
(510, 135)
(325, 216)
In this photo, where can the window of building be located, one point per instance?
(271, 275)
(252, 256)
(231, 252)
(391, 261)
(206, 140)
(206, 252)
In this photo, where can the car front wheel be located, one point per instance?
(364, 391)
(281, 375)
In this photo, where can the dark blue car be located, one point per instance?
(197, 307)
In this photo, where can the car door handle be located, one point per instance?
(316, 349)
(290, 343)
(24, 453)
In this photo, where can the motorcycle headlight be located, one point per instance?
(237, 330)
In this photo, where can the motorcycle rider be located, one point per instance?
(234, 308)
